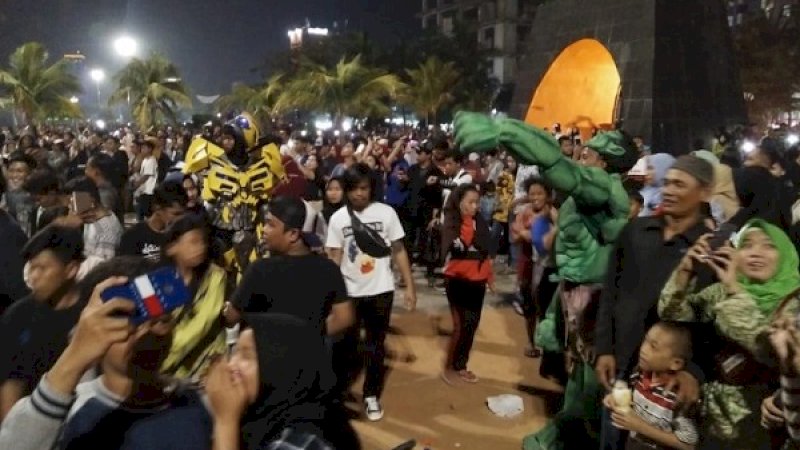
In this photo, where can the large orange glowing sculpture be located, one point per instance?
(580, 89)
(664, 69)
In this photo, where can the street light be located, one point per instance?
(98, 75)
(74, 100)
(125, 46)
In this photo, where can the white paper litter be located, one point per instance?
(506, 405)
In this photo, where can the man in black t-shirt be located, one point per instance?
(35, 330)
(293, 280)
(145, 238)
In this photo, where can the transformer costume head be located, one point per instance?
(245, 133)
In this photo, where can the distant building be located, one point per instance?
(502, 25)
(302, 35)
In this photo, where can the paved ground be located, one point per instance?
(420, 406)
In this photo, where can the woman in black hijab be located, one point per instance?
(274, 391)
(332, 200)
(760, 197)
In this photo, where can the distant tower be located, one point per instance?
(664, 68)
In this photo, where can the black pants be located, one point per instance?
(466, 303)
(373, 313)
(407, 221)
(143, 210)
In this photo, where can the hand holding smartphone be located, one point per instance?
(155, 294)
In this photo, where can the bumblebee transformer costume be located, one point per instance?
(237, 185)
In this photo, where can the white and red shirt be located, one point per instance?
(657, 406)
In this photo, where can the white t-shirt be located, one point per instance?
(363, 274)
(462, 177)
(149, 168)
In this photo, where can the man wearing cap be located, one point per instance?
(280, 283)
(646, 252)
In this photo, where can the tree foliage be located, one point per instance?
(260, 100)
(154, 88)
(460, 80)
(35, 89)
(430, 87)
(351, 88)
(767, 51)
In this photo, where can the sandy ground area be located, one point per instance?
(420, 406)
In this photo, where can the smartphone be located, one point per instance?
(81, 202)
(156, 294)
(721, 235)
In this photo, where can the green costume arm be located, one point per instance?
(530, 145)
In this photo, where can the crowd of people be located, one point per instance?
(659, 290)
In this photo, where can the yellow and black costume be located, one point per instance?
(237, 185)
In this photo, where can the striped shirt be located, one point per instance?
(656, 405)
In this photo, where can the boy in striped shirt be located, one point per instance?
(654, 421)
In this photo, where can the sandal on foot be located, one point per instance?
(467, 376)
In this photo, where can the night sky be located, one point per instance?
(214, 42)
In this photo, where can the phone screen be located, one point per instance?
(82, 202)
(156, 294)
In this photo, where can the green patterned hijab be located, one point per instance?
(768, 295)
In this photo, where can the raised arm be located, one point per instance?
(533, 146)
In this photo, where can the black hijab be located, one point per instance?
(759, 196)
(295, 379)
(329, 208)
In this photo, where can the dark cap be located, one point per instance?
(700, 169)
(293, 212)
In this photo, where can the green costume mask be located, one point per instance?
(786, 279)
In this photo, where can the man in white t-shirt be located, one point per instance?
(145, 183)
(369, 279)
(455, 173)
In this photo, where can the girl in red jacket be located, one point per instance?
(468, 271)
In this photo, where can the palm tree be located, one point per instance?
(257, 100)
(349, 89)
(36, 90)
(153, 90)
(430, 87)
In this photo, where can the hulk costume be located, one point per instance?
(589, 222)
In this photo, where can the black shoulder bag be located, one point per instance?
(367, 239)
